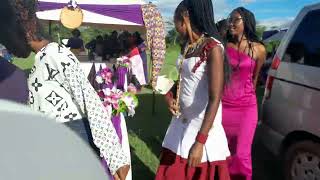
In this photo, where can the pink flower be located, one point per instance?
(115, 106)
(106, 104)
(132, 89)
(105, 74)
(101, 94)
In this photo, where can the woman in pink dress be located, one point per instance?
(246, 56)
(195, 146)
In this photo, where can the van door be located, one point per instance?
(295, 99)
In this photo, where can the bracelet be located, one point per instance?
(201, 138)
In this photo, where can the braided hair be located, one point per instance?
(250, 31)
(202, 20)
(249, 21)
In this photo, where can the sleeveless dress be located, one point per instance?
(240, 113)
(182, 132)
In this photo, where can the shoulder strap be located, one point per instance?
(205, 52)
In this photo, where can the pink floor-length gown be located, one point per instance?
(240, 115)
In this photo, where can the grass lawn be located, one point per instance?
(146, 130)
(25, 64)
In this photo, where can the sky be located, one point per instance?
(268, 12)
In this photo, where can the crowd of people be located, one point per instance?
(214, 105)
(113, 46)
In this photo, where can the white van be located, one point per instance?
(290, 114)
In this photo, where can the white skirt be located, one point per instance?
(181, 136)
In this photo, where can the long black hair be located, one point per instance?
(250, 24)
(202, 20)
(250, 32)
(12, 31)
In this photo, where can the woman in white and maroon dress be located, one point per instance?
(195, 145)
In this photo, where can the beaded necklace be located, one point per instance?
(189, 49)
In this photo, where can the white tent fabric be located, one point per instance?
(88, 17)
(94, 18)
(103, 2)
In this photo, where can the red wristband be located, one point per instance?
(201, 138)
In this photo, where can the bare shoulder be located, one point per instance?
(260, 51)
(216, 53)
(260, 48)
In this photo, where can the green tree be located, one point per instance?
(172, 37)
(59, 32)
(260, 30)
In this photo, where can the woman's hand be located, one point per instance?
(122, 173)
(116, 177)
(195, 154)
(173, 107)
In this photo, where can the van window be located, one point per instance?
(304, 47)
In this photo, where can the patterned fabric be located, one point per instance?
(155, 38)
(59, 88)
(205, 52)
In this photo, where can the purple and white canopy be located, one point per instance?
(115, 13)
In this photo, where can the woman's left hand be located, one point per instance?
(195, 154)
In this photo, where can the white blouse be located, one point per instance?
(59, 88)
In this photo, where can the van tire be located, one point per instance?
(301, 154)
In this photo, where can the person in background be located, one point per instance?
(107, 45)
(143, 52)
(75, 43)
(99, 47)
(195, 145)
(60, 90)
(124, 43)
(136, 61)
(222, 26)
(5, 53)
(95, 47)
(115, 44)
(13, 81)
(240, 110)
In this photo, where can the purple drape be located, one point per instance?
(131, 13)
(121, 75)
(116, 121)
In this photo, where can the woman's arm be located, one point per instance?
(103, 132)
(260, 59)
(73, 80)
(215, 81)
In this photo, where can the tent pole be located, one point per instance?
(153, 91)
(153, 103)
